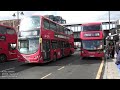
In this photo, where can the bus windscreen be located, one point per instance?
(92, 28)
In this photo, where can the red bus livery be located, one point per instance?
(8, 43)
(42, 40)
(92, 40)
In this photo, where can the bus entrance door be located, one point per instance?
(62, 48)
(46, 50)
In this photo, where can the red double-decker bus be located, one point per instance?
(92, 40)
(8, 43)
(42, 40)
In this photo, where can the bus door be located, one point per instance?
(46, 49)
(62, 48)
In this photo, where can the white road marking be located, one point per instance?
(8, 69)
(46, 75)
(61, 68)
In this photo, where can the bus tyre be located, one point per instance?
(3, 58)
(54, 57)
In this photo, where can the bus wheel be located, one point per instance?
(55, 57)
(3, 58)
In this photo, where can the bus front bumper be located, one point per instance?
(92, 55)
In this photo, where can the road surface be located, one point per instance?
(71, 67)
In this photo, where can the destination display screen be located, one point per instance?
(91, 34)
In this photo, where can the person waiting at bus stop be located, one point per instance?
(118, 53)
(113, 50)
(110, 50)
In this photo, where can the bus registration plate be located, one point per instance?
(92, 56)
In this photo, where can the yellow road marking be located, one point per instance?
(46, 75)
(100, 70)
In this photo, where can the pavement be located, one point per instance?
(111, 70)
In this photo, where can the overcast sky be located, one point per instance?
(69, 16)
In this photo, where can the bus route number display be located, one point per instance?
(92, 35)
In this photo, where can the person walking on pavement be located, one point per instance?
(110, 49)
(118, 54)
(113, 50)
(117, 47)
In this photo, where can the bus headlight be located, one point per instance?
(100, 47)
(36, 57)
(13, 45)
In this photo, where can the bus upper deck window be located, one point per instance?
(2, 30)
(10, 31)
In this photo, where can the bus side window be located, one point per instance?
(65, 45)
(58, 28)
(53, 26)
(54, 44)
(3, 30)
(62, 29)
(46, 24)
(68, 45)
(66, 31)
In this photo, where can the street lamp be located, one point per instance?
(109, 19)
(17, 14)
(14, 15)
(21, 13)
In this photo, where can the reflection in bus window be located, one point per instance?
(92, 44)
(30, 23)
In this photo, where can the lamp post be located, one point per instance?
(109, 19)
(17, 14)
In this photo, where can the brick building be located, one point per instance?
(14, 23)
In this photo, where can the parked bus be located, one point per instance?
(8, 43)
(92, 40)
(42, 40)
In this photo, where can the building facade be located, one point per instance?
(13, 23)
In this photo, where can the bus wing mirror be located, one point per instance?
(104, 46)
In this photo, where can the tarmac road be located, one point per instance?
(71, 67)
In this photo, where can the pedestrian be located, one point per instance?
(113, 50)
(117, 47)
(110, 50)
(118, 54)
